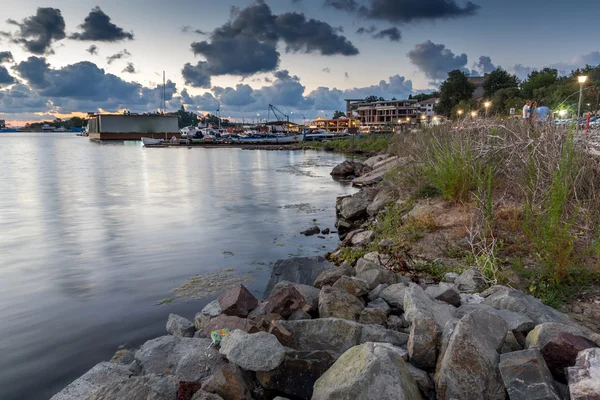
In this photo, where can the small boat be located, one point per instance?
(269, 139)
(150, 141)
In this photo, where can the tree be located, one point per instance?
(539, 79)
(501, 96)
(466, 106)
(498, 79)
(424, 96)
(373, 99)
(454, 89)
(338, 114)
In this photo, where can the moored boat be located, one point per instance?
(150, 141)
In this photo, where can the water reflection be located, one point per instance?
(93, 235)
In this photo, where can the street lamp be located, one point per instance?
(473, 114)
(487, 105)
(459, 112)
(581, 80)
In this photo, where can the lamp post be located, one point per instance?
(487, 105)
(581, 80)
(459, 112)
(473, 114)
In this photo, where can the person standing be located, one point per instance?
(527, 111)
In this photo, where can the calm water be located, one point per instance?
(93, 235)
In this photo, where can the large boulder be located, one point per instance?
(228, 382)
(179, 326)
(424, 382)
(380, 334)
(417, 304)
(211, 310)
(189, 359)
(102, 375)
(516, 322)
(423, 342)
(380, 201)
(369, 371)
(337, 303)
(373, 316)
(203, 395)
(349, 170)
(374, 294)
(373, 274)
(470, 281)
(394, 295)
(354, 208)
(297, 374)
(584, 377)
(519, 302)
(362, 239)
(253, 352)
(526, 376)
(444, 292)
(310, 293)
(148, 387)
(380, 169)
(468, 368)
(285, 301)
(561, 352)
(237, 302)
(304, 270)
(231, 323)
(353, 286)
(380, 304)
(543, 333)
(330, 277)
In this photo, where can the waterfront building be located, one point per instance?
(133, 126)
(427, 107)
(383, 114)
(339, 125)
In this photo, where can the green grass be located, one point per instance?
(165, 301)
(371, 144)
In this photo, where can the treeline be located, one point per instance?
(505, 91)
(73, 122)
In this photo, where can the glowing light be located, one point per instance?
(473, 114)
(582, 79)
(487, 104)
(460, 112)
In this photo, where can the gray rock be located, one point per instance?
(188, 359)
(375, 293)
(350, 169)
(362, 239)
(211, 310)
(383, 198)
(470, 281)
(469, 366)
(380, 259)
(493, 289)
(510, 343)
(368, 371)
(423, 343)
(337, 303)
(543, 333)
(302, 270)
(379, 171)
(417, 303)
(329, 277)
(396, 323)
(584, 377)
(329, 334)
(298, 315)
(381, 305)
(202, 395)
(450, 277)
(386, 244)
(394, 295)
(123, 356)
(179, 326)
(353, 286)
(515, 321)
(255, 314)
(446, 293)
(373, 316)
(315, 230)
(102, 375)
(526, 376)
(228, 382)
(354, 208)
(148, 387)
(424, 382)
(372, 161)
(471, 298)
(519, 302)
(253, 352)
(375, 277)
(310, 293)
(379, 334)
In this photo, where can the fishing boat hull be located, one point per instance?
(269, 140)
(150, 141)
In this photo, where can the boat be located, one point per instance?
(151, 141)
(269, 139)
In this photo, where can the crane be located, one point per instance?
(277, 113)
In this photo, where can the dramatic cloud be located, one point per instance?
(6, 56)
(21, 99)
(38, 32)
(5, 77)
(485, 65)
(405, 11)
(93, 50)
(522, 71)
(98, 27)
(129, 69)
(435, 60)
(392, 33)
(118, 56)
(247, 44)
(369, 30)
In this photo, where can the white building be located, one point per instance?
(427, 107)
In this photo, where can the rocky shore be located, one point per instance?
(363, 330)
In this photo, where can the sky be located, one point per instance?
(65, 57)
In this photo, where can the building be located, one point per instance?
(384, 113)
(133, 126)
(340, 125)
(427, 107)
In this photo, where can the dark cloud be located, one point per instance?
(130, 69)
(93, 50)
(485, 65)
(97, 26)
(118, 56)
(6, 56)
(405, 11)
(369, 30)
(21, 98)
(240, 96)
(38, 32)
(189, 29)
(247, 44)
(34, 71)
(391, 33)
(435, 60)
(5, 77)
(327, 70)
